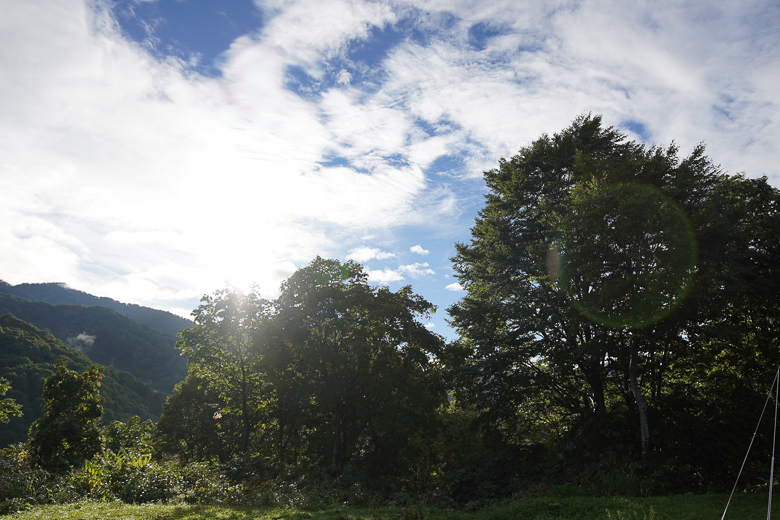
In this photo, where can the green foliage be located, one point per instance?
(8, 407)
(135, 478)
(352, 375)
(108, 477)
(131, 435)
(220, 350)
(618, 297)
(112, 471)
(681, 507)
(68, 432)
(192, 426)
(334, 378)
(23, 485)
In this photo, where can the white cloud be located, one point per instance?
(688, 73)
(343, 77)
(364, 254)
(308, 31)
(175, 184)
(417, 269)
(455, 287)
(418, 249)
(131, 177)
(384, 276)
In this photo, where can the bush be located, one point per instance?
(23, 485)
(126, 476)
(135, 478)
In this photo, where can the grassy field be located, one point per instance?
(685, 507)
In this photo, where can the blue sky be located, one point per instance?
(156, 150)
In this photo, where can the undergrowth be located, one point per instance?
(681, 507)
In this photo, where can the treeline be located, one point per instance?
(618, 335)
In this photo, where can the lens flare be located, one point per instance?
(626, 255)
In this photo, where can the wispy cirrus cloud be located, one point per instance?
(128, 173)
(122, 155)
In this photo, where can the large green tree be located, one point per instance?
(220, 349)
(192, 425)
(68, 433)
(599, 270)
(353, 366)
(334, 374)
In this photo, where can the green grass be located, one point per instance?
(684, 507)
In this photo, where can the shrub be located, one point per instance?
(135, 478)
(23, 485)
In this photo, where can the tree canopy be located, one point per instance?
(600, 278)
(68, 432)
(334, 373)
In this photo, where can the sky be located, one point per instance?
(153, 151)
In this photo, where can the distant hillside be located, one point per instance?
(60, 294)
(27, 357)
(106, 337)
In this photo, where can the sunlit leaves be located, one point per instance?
(8, 407)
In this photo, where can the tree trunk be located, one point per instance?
(245, 418)
(641, 404)
(592, 372)
(336, 456)
(282, 443)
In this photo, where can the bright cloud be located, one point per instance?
(417, 269)
(364, 254)
(456, 287)
(384, 276)
(135, 175)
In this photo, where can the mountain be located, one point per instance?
(107, 338)
(28, 356)
(60, 294)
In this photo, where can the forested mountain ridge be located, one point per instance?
(60, 294)
(28, 356)
(107, 338)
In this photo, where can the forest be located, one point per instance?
(618, 335)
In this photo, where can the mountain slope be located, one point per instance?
(27, 357)
(60, 294)
(107, 338)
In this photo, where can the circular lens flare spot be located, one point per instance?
(626, 255)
